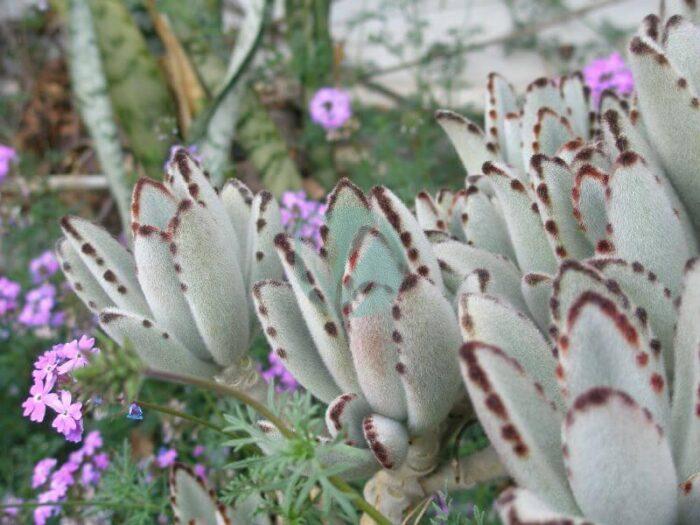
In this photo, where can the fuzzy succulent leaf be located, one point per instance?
(156, 347)
(289, 338)
(620, 463)
(517, 506)
(427, 337)
(469, 141)
(358, 463)
(550, 132)
(238, 200)
(344, 416)
(192, 501)
(483, 224)
(500, 102)
(537, 291)
(689, 500)
(152, 204)
(387, 439)
(481, 281)
(576, 96)
(542, 93)
(264, 225)
(523, 426)
(108, 261)
(588, 199)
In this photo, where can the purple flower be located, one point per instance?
(101, 461)
(46, 364)
(93, 441)
(40, 396)
(198, 451)
(75, 435)
(89, 475)
(301, 217)
(69, 414)
(41, 471)
(134, 412)
(63, 477)
(11, 511)
(166, 457)
(37, 310)
(330, 107)
(279, 374)
(73, 358)
(43, 266)
(200, 470)
(9, 290)
(43, 513)
(7, 155)
(608, 73)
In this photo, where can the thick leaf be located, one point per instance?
(551, 131)
(689, 500)
(686, 399)
(588, 199)
(619, 461)
(481, 281)
(512, 129)
(500, 101)
(80, 278)
(238, 200)
(156, 347)
(576, 97)
(358, 463)
(288, 336)
(152, 204)
(521, 423)
(387, 439)
(542, 93)
(427, 337)
(211, 280)
(108, 261)
(519, 506)
(672, 116)
(522, 217)
(537, 291)
(265, 224)
(468, 140)
(637, 207)
(90, 86)
(192, 500)
(488, 320)
(483, 224)
(345, 415)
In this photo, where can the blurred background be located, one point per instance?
(287, 95)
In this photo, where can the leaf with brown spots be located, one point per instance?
(468, 140)
(517, 506)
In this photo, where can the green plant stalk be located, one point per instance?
(338, 482)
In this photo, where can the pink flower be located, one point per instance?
(43, 266)
(68, 414)
(75, 435)
(330, 107)
(40, 396)
(278, 374)
(101, 461)
(7, 155)
(609, 72)
(41, 471)
(43, 513)
(198, 451)
(93, 441)
(166, 457)
(74, 358)
(200, 470)
(46, 365)
(89, 475)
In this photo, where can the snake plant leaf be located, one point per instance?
(482, 281)
(654, 301)
(457, 260)
(357, 463)
(265, 224)
(192, 501)
(607, 432)
(108, 261)
(553, 183)
(500, 101)
(521, 423)
(542, 93)
(90, 87)
(373, 347)
(80, 278)
(486, 319)
(317, 306)
(689, 500)
(152, 204)
(210, 279)
(161, 286)
(576, 96)
(289, 337)
(371, 261)
(238, 201)
(516, 506)
(637, 205)
(681, 40)
(469, 141)
(427, 338)
(523, 220)
(537, 291)
(672, 118)
(387, 439)
(132, 69)
(687, 374)
(483, 225)
(405, 234)
(153, 344)
(550, 132)
(344, 416)
(588, 200)
(348, 211)
(600, 347)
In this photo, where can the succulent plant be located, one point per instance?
(365, 326)
(581, 355)
(183, 298)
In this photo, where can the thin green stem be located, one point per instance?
(265, 412)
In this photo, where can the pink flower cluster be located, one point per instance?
(301, 217)
(7, 156)
(53, 368)
(9, 292)
(38, 309)
(43, 267)
(278, 374)
(609, 72)
(82, 469)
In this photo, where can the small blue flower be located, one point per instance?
(135, 413)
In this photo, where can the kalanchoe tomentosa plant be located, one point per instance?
(365, 325)
(590, 394)
(182, 299)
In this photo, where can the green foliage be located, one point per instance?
(136, 85)
(289, 467)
